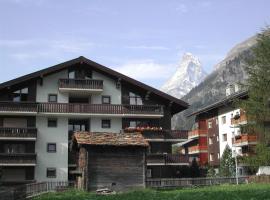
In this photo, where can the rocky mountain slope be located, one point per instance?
(228, 71)
(188, 75)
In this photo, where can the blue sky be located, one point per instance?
(143, 39)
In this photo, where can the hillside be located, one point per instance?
(228, 71)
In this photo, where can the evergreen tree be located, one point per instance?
(227, 163)
(257, 106)
(211, 172)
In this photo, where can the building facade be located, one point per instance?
(226, 127)
(39, 113)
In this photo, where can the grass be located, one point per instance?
(224, 192)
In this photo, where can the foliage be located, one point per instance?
(257, 106)
(240, 192)
(262, 157)
(227, 163)
(194, 169)
(211, 172)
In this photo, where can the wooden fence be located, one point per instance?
(189, 182)
(33, 189)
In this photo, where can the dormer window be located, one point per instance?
(20, 95)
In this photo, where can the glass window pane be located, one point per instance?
(71, 75)
(24, 91)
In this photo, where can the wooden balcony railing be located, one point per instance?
(18, 107)
(165, 134)
(244, 139)
(238, 120)
(17, 158)
(166, 159)
(99, 108)
(115, 109)
(81, 84)
(197, 133)
(197, 149)
(8, 132)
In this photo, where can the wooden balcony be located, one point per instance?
(166, 159)
(114, 110)
(80, 86)
(165, 135)
(197, 149)
(76, 109)
(197, 133)
(18, 108)
(244, 139)
(241, 119)
(7, 133)
(18, 159)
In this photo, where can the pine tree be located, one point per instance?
(227, 163)
(257, 106)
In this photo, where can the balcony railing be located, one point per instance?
(80, 84)
(100, 109)
(9, 159)
(239, 120)
(166, 135)
(244, 139)
(18, 107)
(197, 149)
(167, 159)
(197, 133)
(77, 108)
(7, 132)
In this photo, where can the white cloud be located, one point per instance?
(148, 47)
(146, 70)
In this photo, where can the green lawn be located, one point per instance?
(230, 192)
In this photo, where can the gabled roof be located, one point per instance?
(177, 104)
(110, 139)
(223, 102)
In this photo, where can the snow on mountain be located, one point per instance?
(188, 75)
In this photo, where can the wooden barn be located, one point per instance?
(115, 161)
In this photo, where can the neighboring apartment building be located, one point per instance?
(226, 127)
(196, 146)
(39, 113)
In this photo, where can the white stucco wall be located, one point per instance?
(116, 125)
(58, 160)
(50, 86)
(227, 128)
(109, 88)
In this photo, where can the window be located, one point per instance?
(149, 173)
(52, 98)
(71, 74)
(218, 155)
(106, 123)
(217, 138)
(51, 173)
(20, 95)
(52, 122)
(209, 124)
(223, 119)
(210, 140)
(51, 147)
(211, 156)
(224, 137)
(135, 99)
(106, 100)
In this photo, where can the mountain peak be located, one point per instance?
(189, 73)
